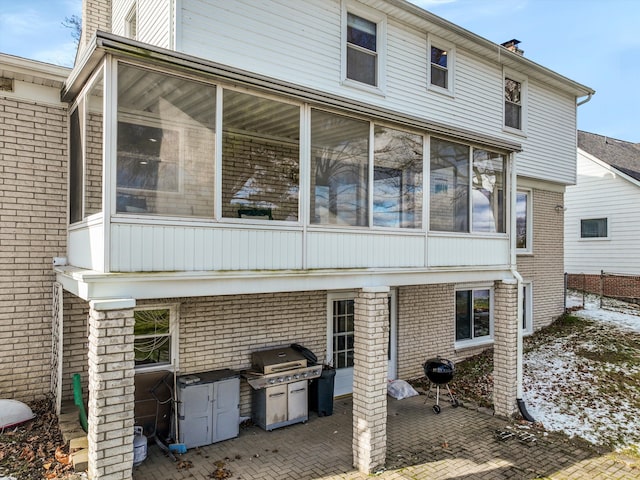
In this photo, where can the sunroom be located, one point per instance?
(178, 167)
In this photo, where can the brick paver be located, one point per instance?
(459, 443)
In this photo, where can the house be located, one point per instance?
(601, 221)
(362, 178)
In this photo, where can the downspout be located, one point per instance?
(513, 267)
(582, 102)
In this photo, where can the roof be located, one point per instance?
(621, 155)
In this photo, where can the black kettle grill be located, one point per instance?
(439, 371)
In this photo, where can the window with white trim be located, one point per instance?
(155, 337)
(474, 316)
(515, 101)
(131, 23)
(364, 31)
(441, 66)
(524, 222)
(594, 228)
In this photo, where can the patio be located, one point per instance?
(459, 443)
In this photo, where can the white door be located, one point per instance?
(340, 323)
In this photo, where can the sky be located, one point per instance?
(592, 42)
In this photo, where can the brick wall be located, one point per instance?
(33, 220)
(545, 266)
(624, 287)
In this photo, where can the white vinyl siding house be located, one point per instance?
(602, 221)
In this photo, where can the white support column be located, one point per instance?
(111, 389)
(505, 348)
(371, 343)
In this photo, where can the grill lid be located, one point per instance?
(277, 360)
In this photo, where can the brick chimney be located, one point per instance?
(96, 15)
(512, 45)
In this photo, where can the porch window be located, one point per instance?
(155, 337)
(260, 158)
(339, 170)
(487, 192)
(467, 189)
(166, 144)
(397, 182)
(474, 316)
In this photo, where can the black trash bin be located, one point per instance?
(321, 392)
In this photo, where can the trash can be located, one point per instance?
(321, 392)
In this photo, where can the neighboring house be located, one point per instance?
(602, 221)
(362, 178)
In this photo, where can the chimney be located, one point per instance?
(512, 45)
(96, 15)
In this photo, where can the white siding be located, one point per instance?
(299, 42)
(449, 251)
(602, 193)
(154, 20)
(364, 250)
(86, 247)
(162, 248)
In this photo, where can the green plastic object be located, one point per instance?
(77, 399)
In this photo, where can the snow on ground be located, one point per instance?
(571, 393)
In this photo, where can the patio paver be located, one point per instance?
(460, 443)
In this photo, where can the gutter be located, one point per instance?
(582, 102)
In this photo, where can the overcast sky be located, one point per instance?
(593, 42)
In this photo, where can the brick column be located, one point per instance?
(371, 342)
(505, 348)
(111, 389)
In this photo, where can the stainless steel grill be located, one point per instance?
(280, 378)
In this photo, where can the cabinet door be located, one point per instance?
(276, 407)
(226, 410)
(195, 416)
(298, 392)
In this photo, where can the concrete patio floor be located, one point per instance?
(459, 443)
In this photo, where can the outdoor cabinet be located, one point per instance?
(208, 407)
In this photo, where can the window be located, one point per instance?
(155, 337)
(165, 143)
(487, 192)
(515, 99)
(441, 65)
(523, 222)
(474, 315)
(397, 182)
(594, 228)
(362, 55)
(131, 23)
(343, 333)
(339, 170)
(527, 307)
(459, 174)
(260, 158)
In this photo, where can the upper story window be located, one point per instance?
(165, 144)
(474, 316)
(594, 228)
(524, 222)
(515, 96)
(155, 338)
(362, 55)
(131, 22)
(467, 189)
(364, 31)
(441, 65)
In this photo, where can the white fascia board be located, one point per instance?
(91, 285)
